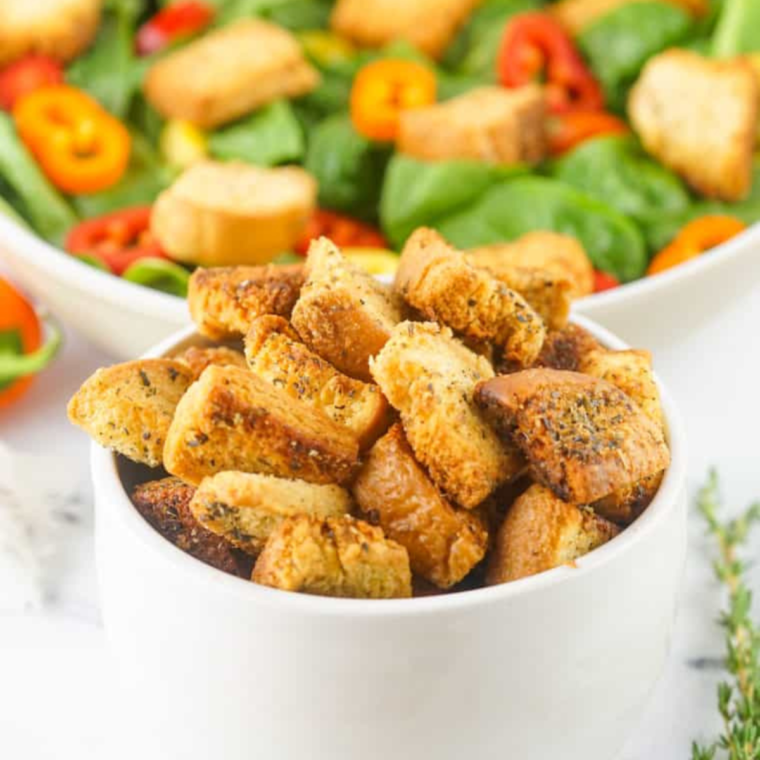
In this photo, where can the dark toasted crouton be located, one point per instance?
(567, 348)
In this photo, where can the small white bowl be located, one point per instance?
(558, 665)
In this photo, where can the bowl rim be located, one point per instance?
(110, 494)
(29, 246)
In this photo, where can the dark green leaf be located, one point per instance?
(159, 274)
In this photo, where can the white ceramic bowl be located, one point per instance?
(126, 319)
(558, 665)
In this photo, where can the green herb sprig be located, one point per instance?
(739, 696)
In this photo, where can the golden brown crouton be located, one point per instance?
(344, 315)
(197, 358)
(129, 407)
(279, 358)
(699, 117)
(165, 505)
(624, 506)
(430, 378)
(393, 491)
(582, 436)
(492, 124)
(228, 73)
(231, 419)
(224, 302)
(244, 508)
(438, 281)
(227, 213)
(62, 29)
(336, 556)
(560, 255)
(429, 25)
(541, 532)
(567, 348)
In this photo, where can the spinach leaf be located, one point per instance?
(42, 205)
(348, 167)
(738, 29)
(269, 136)
(619, 43)
(301, 14)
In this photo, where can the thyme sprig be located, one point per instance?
(739, 696)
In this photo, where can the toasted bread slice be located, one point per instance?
(197, 358)
(61, 29)
(223, 214)
(244, 508)
(555, 254)
(492, 124)
(165, 504)
(541, 532)
(334, 556)
(233, 420)
(128, 407)
(279, 358)
(567, 348)
(437, 280)
(429, 25)
(344, 315)
(698, 116)
(583, 437)
(228, 73)
(224, 302)
(393, 491)
(430, 377)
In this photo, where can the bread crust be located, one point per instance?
(334, 556)
(567, 348)
(230, 419)
(393, 491)
(129, 407)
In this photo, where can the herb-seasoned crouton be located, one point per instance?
(699, 117)
(197, 358)
(624, 506)
(129, 407)
(492, 124)
(61, 29)
(559, 255)
(430, 378)
(278, 357)
(224, 302)
(228, 73)
(334, 557)
(437, 280)
(393, 491)
(567, 348)
(429, 25)
(226, 213)
(165, 505)
(541, 532)
(344, 315)
(231, 419)
(244, 508)
(583, 437)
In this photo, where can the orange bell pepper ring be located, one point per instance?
(695, 238)
(384, 88)
(568, 130)
(79, 145)
(343, 230)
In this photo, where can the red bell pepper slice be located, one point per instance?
(343, 230)
(174, 22)
(568, 130)
(26, 75)
(604, 281)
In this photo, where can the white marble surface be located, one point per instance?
(55, 681)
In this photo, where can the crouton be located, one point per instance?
(429, 25)
(228, 73)
(279, 358)
(62, 29)
(231, 419)
(334, 556)
(541, 532)
(625, 505)
(128, 407)
(344, 315)
(583, 437)
(221, 214)
(197, 358)
(698, 116)
(244, 508)
(165, 505)
(430, 378)
(393, 491)
(556, 254)
(438, 281)
(567, 348)
(224, 302)
(491, 124)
